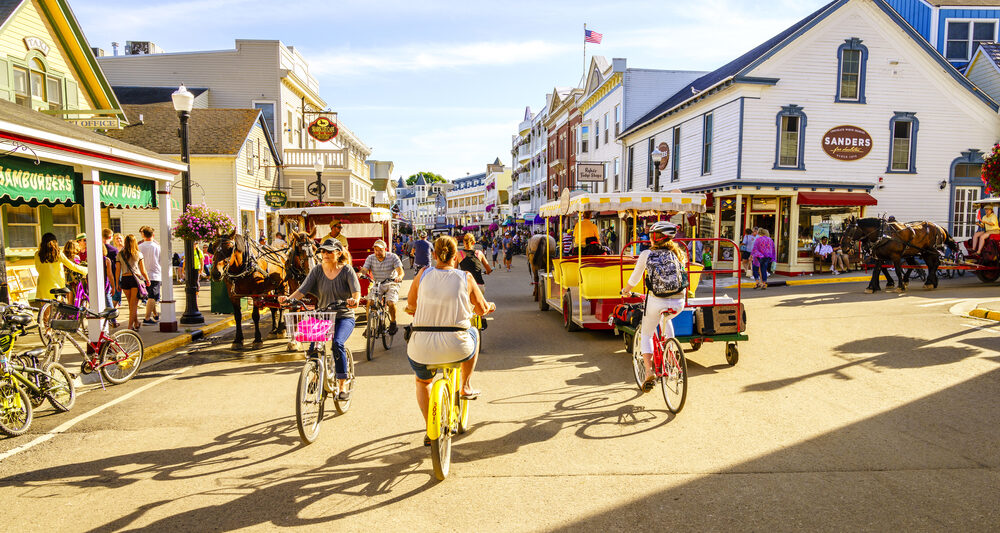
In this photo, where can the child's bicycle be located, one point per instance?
(669, 365)
(25, 383)
(447, 414)
(317, 381)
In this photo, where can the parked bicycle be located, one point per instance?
(669, 364)
(116, 356)
(378, 318)
(447, 415)
(26, 383)
(317, 379)
(64, 305)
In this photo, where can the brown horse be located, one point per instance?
(894, 242)
(301, 257)
(249, 270)
(540, 251)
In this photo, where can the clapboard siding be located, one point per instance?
(917, 13)
(951, 118)
(985, 75)
(605, 152)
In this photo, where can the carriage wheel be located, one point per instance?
(989, 276)
(695, 344)
(732, 354)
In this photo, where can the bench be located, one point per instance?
(21, 283)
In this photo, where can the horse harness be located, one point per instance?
(249, 258)
(293, 272)
(886, 238)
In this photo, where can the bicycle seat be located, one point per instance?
(20, 320)
(110, 312)
(36, 353)
(60, 292)
(442, 366)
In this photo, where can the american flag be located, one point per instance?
(591, 36)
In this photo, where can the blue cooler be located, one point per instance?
(684, 323)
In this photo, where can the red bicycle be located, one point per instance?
(669, 364)
(117, 356)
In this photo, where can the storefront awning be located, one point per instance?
(836, 198)
(22, 180)
(127, 192)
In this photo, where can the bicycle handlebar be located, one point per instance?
(336, 305)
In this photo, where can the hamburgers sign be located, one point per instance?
(847, 143)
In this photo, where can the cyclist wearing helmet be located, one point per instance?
(661, 242)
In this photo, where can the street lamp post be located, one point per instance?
(183, 102)
(318, 166)
(660, 156)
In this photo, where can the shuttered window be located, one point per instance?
(297, 189)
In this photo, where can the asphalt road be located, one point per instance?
(846, 411)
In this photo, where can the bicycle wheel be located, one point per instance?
(15, 409)
(371, 329)
(44, 322)
(310, 400)
(60, 389)
(120, 358)
(674, 380)
(638, 367)
(386, 338)
(441, 446)
(343, 405)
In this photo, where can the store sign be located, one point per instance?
(128, 192)
(22, 179)
(590, 172)
(275, 198)
(323, 129)
(35, 43)
(100, 123)
(847, 143)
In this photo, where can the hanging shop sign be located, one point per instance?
(847, 143)
(323, 129)
(127, 192)
(275, 199)
(590, 172)
(22, 179)
(36, 43)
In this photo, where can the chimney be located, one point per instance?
(114, 46)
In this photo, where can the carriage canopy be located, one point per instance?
(622, 202)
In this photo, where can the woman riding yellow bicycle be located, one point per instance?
(442, 300)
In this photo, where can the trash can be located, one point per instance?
(220, 299)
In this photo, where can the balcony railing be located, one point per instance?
(302, 157)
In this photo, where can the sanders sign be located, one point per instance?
(847, 143)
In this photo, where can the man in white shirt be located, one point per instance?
(150, 251)
(383, 265)
(279, 241)
(822, 252)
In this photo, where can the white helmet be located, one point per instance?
(665, 228)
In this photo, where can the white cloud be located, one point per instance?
(432, 56)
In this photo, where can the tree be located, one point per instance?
(429, 177)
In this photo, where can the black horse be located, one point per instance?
(894, 242)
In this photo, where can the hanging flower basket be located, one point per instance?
(201, 223)
(991, 171)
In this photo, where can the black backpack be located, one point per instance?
(665, 274)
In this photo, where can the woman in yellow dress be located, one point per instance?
(49, 262)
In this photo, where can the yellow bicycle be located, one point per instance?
(447, 415)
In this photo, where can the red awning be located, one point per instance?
(836, 198)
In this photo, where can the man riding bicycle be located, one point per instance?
(663, 263)
(331, 281)
(383, 265)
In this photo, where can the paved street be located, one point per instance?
(846, 411)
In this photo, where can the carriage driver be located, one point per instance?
(383, 265)
(990, 227)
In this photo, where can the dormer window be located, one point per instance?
(852, 57)
(964, 36)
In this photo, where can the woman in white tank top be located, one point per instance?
(444, 297)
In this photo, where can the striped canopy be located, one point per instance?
(621, 202)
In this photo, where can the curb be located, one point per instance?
(169, 345)
(791, 282)
(986, 314)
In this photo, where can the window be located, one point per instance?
(964, 36)
(22, 226)
(902, 157)
(21, 96)
(597, 134)
(289, 127)
(618, 119)
(791, 126)
(616, 174)
(65, 222)
(54, 93)
(675, 165)
(706, 150)
(964, 217)
(267, 110)
(631, 167)
(650, 166)
(249, 150)
(606, 128)
(852, 61)
(115, 224)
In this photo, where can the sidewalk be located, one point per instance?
(778, 280)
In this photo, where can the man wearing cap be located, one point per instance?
(421, 252)
(383, 265)
(335, 228)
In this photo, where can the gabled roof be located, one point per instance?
(964, 3)
(7, 8)
(420, 180)
(990, 51)
(401, 184)
(736, 70)
(211, 131)
(149, 95)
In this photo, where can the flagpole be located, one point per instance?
(585, 52)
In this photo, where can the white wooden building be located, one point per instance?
(848, 112)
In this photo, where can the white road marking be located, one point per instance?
(64, 427)
(978, 326)
(942, 302)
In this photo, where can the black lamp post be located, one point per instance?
(318, 167)
(183, 102)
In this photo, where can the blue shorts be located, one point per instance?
(425, 373)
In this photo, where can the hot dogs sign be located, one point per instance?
(847, 143)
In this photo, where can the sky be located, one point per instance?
(438, 85)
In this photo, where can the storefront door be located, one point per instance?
(964, 222)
